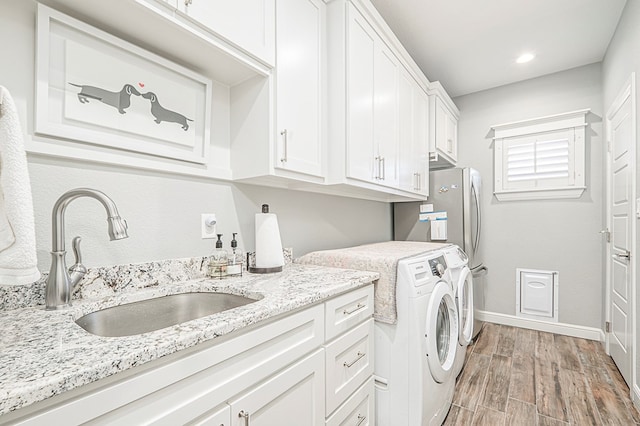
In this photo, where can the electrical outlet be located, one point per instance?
(208, 225)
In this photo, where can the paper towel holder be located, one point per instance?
(255, 270)
(264, 269)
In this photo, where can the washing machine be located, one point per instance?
(415, 358)
(462, 281)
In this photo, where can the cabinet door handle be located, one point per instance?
(377, 171)
(625, 255)
(361, 419)
(188, 2)
(355, 309)
(244, 415)
(359, 356)
(384, 174)
(284, 134)
(419, 181)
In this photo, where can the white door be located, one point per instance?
(385, 113)
(299, 85)
(294, 396)
(249, 24)
(621, 137)
(360, 60)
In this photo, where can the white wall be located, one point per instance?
(560, 235)
(163, 210)
(623, 58)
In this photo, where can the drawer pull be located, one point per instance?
(245, 415)
(358, 358)
(355, 309)
(361, 419)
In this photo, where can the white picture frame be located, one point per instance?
(99, 91)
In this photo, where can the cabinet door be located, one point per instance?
(413, 164)
(446, 131)
(421, 139)
(406, 171)
(385, 90)
(452, 137)
(361, 46)
(249, 24)
(299, 79)
(293, 396)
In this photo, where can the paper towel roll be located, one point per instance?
(268, 243)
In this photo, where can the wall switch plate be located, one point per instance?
(208, 225)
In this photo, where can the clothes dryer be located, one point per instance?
(414, 359)
(462, 285)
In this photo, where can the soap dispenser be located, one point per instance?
(234, 263)
(218, 260)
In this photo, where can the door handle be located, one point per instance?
(244, 415)
(284, 135)
(625, 255)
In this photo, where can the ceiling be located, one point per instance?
(472, 45)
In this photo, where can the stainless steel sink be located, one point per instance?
(153, 314)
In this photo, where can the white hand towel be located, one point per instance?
(18, 261)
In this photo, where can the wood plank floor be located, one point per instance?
(514, 376)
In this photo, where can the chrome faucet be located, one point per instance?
(60, 283)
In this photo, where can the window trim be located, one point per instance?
(574, 121)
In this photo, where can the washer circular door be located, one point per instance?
(464, 300)
(442, 332)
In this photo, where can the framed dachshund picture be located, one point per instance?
(98, 90)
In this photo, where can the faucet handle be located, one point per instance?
(75, 244)
(77, 270)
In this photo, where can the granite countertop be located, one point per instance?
(44, 353)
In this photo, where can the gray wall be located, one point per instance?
(163, 210)
(560, 235)
(623, 58)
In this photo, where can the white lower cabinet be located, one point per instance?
(349, 363)
(219, 417)
(358, 410)
(293, 396)
(274, 374)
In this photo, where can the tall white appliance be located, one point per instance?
(454, 197)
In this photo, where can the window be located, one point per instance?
(540, 158)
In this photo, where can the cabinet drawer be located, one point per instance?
(349, 362)
(358, 410)
(219, 417)
(346, 311)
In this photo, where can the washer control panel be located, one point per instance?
(438, 266)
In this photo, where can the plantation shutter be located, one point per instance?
(543, 160)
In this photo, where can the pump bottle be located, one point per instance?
(218, 260)
(234, 263)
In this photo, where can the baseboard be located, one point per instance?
(572, 330)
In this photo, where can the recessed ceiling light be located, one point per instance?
(525, 57)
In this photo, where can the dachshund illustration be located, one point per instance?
(162, 114)
(119, 100)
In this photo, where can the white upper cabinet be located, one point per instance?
(365, 119)
(444, 129)
(299, 77)
(360, 148)
(277, 122)
(372, 102)
(249, 24)
(385, 114)
(414, 136)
